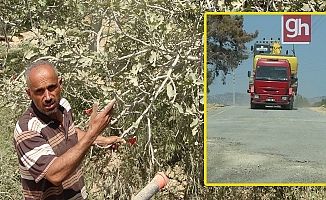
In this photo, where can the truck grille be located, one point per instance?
(267, 90)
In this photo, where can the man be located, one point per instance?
(49, 148)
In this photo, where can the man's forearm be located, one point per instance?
(64, 165)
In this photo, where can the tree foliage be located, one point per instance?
(147, 55)
(267, 6)
(320, 103)
(226, 41)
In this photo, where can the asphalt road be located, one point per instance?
(271, 145)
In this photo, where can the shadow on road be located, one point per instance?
(271, 108)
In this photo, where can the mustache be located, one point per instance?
(49, 102)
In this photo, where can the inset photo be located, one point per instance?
(265, 97)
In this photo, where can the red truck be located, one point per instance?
(274, 81)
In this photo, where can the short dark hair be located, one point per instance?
(35, 64)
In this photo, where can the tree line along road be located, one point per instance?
(258, 146)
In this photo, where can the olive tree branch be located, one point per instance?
(153, 99)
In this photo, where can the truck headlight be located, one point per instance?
(256, 96)
(284, 98)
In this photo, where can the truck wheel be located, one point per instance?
(252, 105)
(291, 105)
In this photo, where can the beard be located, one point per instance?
(49, 112)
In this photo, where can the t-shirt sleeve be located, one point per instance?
(34, 153)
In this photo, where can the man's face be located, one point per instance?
(45, 89)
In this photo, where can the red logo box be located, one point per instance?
(296, 29)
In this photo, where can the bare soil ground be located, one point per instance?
(320, 109)
(213, 106)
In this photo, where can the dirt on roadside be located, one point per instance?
(213, 106)
(320, 109)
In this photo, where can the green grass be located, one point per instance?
(10, 187)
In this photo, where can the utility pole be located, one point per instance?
(233, 82)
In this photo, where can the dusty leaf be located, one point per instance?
(170, 91)
(152, 57)
(85, 61)
(179, 107)
(194, 122)
(29, 54)
(194, 131)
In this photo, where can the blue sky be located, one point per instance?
(311, 57)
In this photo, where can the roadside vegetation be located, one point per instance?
(322, 103)
(301, 101)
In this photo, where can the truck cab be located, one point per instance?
(271, 84)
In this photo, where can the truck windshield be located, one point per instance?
(271, 73)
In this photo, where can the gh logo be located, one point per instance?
(296, 29)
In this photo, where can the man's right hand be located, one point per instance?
(64, 165)
(99, 121)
